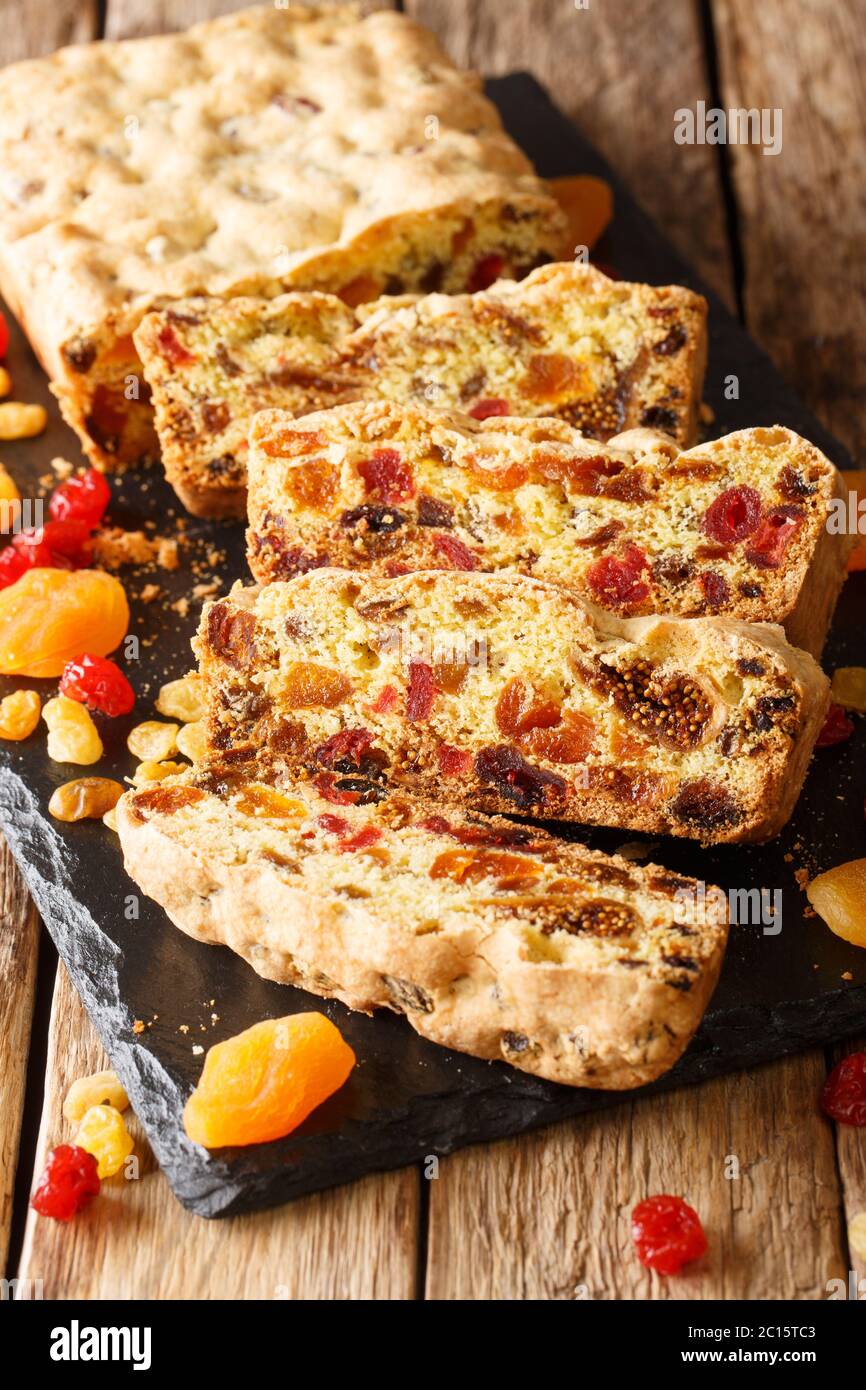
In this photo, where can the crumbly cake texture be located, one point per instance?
(272, 148)
(508, 694)
(736, 527)
(491, 938)
(567, 341)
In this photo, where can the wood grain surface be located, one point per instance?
(19, 935)
(547, 1215)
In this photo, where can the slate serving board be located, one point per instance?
(408, 1098)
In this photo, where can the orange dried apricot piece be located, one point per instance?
(839, 897)
(262, 1083)
(51, 616)
(309, 686)
(520, 708)
(568, 743)
(587, 202)
(259, 800)
(470, 866)
(551, 376)
(449, 672)
(313, 485)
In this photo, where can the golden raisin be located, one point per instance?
(152, 771)
(72, 734)
(102, 1088)
(103, 1133)
(152, 740)
(262, 1083)
(192, 741)
(50, 616)
(8, 489)
(838, 897)
(449, 674)
(19, 714)
(264, 801)
(470, 866)
(20, 421)
(308, 686)
(183, 699)
(86, 798)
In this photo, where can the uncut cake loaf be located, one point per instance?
(567, 341)
(508, 694)
(493, 939)
(736, 527)
(280, 146)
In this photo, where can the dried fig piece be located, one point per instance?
(675, 709)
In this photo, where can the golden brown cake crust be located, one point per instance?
(602, 355)
(736, 527)
(511, 695)
(492, 939)
(267, 148)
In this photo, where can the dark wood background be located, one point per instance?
(544, 1216)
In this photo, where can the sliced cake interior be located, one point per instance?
(513, 695)
(491, 938)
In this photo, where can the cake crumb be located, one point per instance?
(62, 468)
(197, 1049)
(150, 593)
(138, 1026)
(847, 975)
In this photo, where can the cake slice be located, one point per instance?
(567, 341)
(278, 147)
(508, 694)
(736, 527)
(492, 939)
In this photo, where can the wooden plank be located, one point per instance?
(547, 1216)
(19, 943)
(620, 70)
(127, 19)
(40, 26)
(803, 211)
(136, 1242)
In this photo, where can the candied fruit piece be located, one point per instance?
(99, 684)
(70, 1181)
(183, 699)
(102, 1088)
(19, 714)
(347, 745)
(717, 590)
(103, 1133)
(421, 692)
(86, 798)
(458, 555)
(667, 1234)
(569, 742)
(485, 272)
(453, 762)
(12, 565)
(837, 728)
(51, 615)
(449, 673)
(72, 734)
(472, 866)
(552, 377)
(259, 800)
(517, 780)
(387, 476)
(733, 515)
(848, 687)
(152, 741)
(172, 348)
(262, 1083)
(313, 484)
(839, 898)
(81, 498)
(520, 708)
(308, 686)
(771, 540)
(844, 1095)
(487, 408)
(617, 581)
(231, 635)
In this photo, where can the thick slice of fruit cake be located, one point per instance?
(603, 355)
(736, 527)
(491, 938)
(508, 694)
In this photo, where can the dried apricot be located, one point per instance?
(848, 687)
(49, 616)
(309, 686)
(262, 1083)
(272, 805)
(839, 897)
(72, 734)
(86, 798)
(19, 714)
(102, 1088)
(103, 1133)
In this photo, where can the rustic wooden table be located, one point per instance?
(547, 1215)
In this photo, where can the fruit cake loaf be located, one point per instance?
(508, 694)
(493, 939)
(736, 527)
(602, 354)
(281, 146)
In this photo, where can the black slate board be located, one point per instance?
(408, 1098)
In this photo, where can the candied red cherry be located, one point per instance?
(485, 273)
(82, 498)
(844, 1095)
(98, 683)
(421, 692)
(733, 516)
(387, 476)
(837, 727)
(458, 555)
(69, 1182)
(667, 1234)
(773, 537)
(4, 336)
(12, 565)
(490, 406)
(56, 545)
(617, 581)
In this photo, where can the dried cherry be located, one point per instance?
(775, 533)
(489, 407)
(349, 745)
(617, 581)
(485, 273)
(453, 762)
(733, 516)
(387, 476)
(667, 1234)
(70, 1181)
(837, 728)
(514, 778)
(844, 1095)
(82, 498)
(421, 692)
(98, 683)
(717, 590)
(458, 555)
